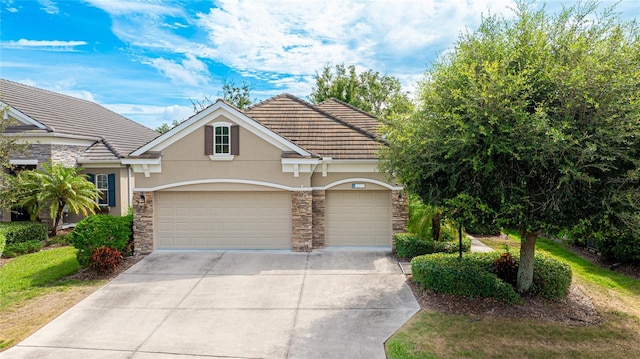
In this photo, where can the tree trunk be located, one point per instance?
(435, 226)
(56, 221)
(525, 267)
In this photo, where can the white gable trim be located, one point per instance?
(221, 180)
(22, 117)
(367, 180)
(208, 115)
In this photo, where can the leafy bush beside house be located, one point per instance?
(101, 230)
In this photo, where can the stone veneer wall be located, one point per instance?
(399, 213)
(301, 221)
(65, 154)
(142, 223)
(318, 210)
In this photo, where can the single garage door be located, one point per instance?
(223, 220)
(358, 218)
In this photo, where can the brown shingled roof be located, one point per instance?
(350, 114)
(314, 129)
(69, 115)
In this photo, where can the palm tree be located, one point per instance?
(56, 187)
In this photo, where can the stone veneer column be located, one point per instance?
(142, 223)
(399, 213)
(318, 210)
(301, 221)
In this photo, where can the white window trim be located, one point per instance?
(101, 190)
(23, 162)
(221, 156)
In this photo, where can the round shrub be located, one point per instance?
(551, 277)
(409, 245)
(105, 260)
(467, 276)
(18, 232)
(100, 230)
(506, 267)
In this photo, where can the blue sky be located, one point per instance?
(146, 59)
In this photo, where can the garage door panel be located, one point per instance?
(223, 220)
(358, 218)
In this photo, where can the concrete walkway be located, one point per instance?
(326, 304)
(477, 246)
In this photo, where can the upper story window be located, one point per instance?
(221, 141)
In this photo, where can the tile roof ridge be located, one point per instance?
(110, 148)
(49, 91)
(270, 99)
(369, 134)
(350, 106)
(93, 104)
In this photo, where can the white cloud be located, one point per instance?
(49, 7)
(48, 45)
(189, 71)
(127, 7)
(299, 38)
(152, 116)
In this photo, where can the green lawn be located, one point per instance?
(30, 275)
(34, 290)
(437, 335)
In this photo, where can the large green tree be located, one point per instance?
(55, 187)
(380, 95)
(536, 117)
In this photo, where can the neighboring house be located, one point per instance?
(74, 132)
(282, 174)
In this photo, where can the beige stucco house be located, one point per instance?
(282, 174)
(74, 132)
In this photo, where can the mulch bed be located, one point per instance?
(575, 309)
(90, 274)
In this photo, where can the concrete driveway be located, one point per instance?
(324, 304)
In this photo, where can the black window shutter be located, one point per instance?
(208, 140)
(91, 178)
(235, 140)
(111, 181)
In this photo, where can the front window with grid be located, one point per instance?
(221, 140)
(102, 184)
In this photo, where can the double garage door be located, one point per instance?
(262, 220)
(223, 220)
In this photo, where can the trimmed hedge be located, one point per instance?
(101, 230)
(474, 276)
(18, 249)
(409, 245)
(551, 277)
(19, 232)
